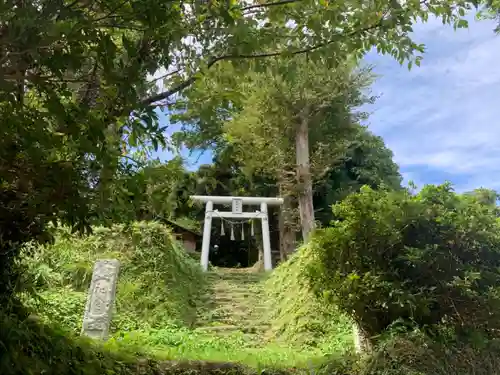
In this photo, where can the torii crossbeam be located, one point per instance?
(237, 213)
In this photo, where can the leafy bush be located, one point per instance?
(423, 260)
(61, 305)
(417, 354)
(158, 282)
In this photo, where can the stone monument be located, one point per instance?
(100, 299)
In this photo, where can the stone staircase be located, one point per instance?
(234, 303)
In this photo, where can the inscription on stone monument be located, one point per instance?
(98, 310)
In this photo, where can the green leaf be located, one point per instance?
(462, 24)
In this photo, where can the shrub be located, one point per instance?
(423, 260)
(417, 354)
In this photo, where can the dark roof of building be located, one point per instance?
(183, 226)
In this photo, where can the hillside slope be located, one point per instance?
(158, 284)
(166, 307)
(297, 316)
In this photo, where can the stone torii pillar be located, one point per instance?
(236, 213)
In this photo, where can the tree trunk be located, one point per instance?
(287, 236)
(304, 179)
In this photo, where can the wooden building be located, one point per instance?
(190, 238)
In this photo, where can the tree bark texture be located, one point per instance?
(305, 191)
(287, 235)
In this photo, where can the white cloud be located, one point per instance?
(443, 119)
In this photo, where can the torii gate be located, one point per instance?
(236, 213)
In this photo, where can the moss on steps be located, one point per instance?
(234, 302)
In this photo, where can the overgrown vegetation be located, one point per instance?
(46, 350)
(79, 115)
(415, 353)
(298, 317)
(429, 261)
(75, 88)
(309, 332)
(182, 344)
(159, 284)
(165, 307)
(34, 348)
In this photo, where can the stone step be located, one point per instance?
(237, 280)
(228, 325)
(232, 294)
(240, 314)
(228, 301)
(232, 319)
(240, 307)
(237, 311)
(240, 319)
(231, 289)
(235, 288)
(232, 302)
(218, 328)
(255, 329)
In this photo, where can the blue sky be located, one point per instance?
(440, 119)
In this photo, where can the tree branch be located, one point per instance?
(268, 5)
(189, 81)
(164, 76)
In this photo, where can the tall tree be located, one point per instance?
(367, 161)
(296, 121)
(68, 71)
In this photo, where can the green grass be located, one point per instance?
(159, 284)
(226, 322)
(180, 344)
(167, 308)
(297, 316)
(232, 327)
(31, 347)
